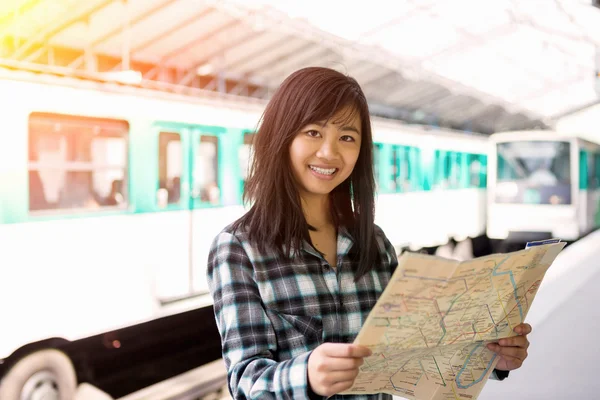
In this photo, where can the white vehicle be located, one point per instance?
(111, 196)
(542, 184)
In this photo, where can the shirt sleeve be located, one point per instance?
(499, 375)
(247, 336)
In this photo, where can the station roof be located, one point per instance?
(484, 66)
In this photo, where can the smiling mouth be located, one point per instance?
(323, 171)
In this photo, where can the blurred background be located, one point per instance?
(127, 131)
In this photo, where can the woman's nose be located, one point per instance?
(328, 150)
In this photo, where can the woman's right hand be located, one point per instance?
(332, 367)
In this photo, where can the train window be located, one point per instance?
(401, 169)
(454, 169)
(535, 172)
(597, 169)
(587, 173)
(592, 177)
(583, 169)
(447, 169)
(451, 169)
(477, 170)
(442, 169)
(376, 160)
(206, 170)
(407, 171)
(245, 154)
(395, 172)
(417, 168)
(427, 160)
(170, 162)
(76, 162)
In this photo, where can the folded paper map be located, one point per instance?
(430, 327)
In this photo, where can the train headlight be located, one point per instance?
(554, 199)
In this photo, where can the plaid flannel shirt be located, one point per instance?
(272, 312)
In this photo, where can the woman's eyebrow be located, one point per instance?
(343, 128)
(349, 128)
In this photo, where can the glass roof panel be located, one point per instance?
(515, 50)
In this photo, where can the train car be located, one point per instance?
(111, 195)
(107, 207)
(542, 184)
(431, 186)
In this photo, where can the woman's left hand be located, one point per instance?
(513, 350)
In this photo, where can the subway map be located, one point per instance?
(429, 329)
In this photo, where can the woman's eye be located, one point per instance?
(347, 138)
(313, 133)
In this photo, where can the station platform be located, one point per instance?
(563, 354)
(208, 382)
(565, 316)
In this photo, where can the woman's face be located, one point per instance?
(323, 155)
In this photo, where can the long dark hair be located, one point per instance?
(276, 219)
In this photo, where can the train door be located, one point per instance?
(209, 175)
(190, 181)
(171, 217)
(588, 190)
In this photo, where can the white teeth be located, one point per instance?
(323, 170)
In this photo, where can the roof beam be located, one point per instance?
(468, 112)
(280, 72)
(261, 92)
(281, 58)
(252, 55)
(36, 54)
(241, 88)
(491, 114)
(424, 99)
(163, 34)
(512, 122)
(414, 92)
(376, 78)
(418, 9)
(292, 63)
(505, 122)
(114, 32)
(463, 45)
(9, 18)
(447, 104)
(220, 51)
(188, 45)
(45, 35)
(362, 71)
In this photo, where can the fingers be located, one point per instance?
(339, 387)
(513, 362)
(516, 341)
(330, 390)
(523, 329)
(338, 364)
(515, 352)
(332, 367)
(346, 350)
(341, 376)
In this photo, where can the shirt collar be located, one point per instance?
(344, 243)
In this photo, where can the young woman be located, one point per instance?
(295, 278)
